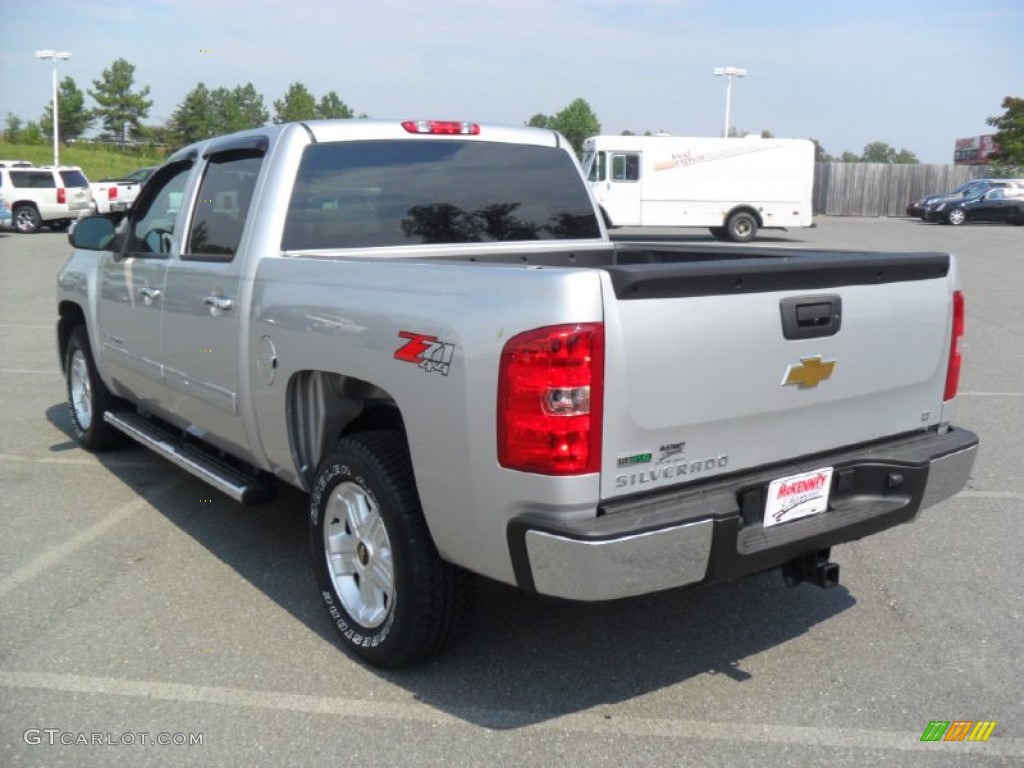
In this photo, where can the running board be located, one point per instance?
(241, 487)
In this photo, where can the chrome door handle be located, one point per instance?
(223, 303)
(149, 294)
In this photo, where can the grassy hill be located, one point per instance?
(97, 162)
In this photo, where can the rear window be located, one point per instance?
(387, 193)
(74, 179)
(32, 180)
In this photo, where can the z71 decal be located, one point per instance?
(426, 352)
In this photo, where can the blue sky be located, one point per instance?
(911, 73)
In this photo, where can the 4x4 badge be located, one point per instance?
(426, 352)
(810, 372)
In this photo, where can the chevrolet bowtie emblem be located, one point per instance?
(809, 373)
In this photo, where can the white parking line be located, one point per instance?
(991, 394)
(86, 461)
(51, 557)
(1009, 495)
(583, 723)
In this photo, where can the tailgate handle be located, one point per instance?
(811, 317)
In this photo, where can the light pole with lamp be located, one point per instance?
(53, 56)
(730, 73)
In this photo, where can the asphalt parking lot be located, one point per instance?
(139, 605)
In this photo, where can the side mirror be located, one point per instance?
(92, 233)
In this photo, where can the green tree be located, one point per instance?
(192, 119)
(766, 134)
(540, 120)
(239, 109)
(13, 126)
(249, 111)
(1010, 133)
(32, 133)
(74, 118)
(119, 108)
(820, 155)
(576, 122)
(205, 113)
(298, 104)
(331, 107)
(880, 152)
(849, 157)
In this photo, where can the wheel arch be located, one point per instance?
(70, 315)
(744, 208)
(324, 406)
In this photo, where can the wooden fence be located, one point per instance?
(883, 189)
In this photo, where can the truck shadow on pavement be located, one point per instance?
(526, 659)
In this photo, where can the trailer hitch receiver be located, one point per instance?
(813, 568)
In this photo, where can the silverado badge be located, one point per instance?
(810, 372)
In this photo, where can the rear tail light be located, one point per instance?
(62, 195)
(111, 193)
(955, 357)
(442, 127)
(551, 400)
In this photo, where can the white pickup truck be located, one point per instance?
(425, 326)
(117, 195)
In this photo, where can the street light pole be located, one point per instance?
(53, 56)
(730, 73)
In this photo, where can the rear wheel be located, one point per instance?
(956, 217)
(741, 227)
(88, 396)
(391, 597)
(26, 219)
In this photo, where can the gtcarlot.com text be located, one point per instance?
(57, 737)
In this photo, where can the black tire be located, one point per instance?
(741, 227)
(956, 217)
(26, 219)
(392, 598)
(88, 396)
(719, 233)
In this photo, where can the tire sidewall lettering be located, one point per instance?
(348, 628)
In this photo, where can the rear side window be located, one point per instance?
(74, 179)
(389, 193)
(33, 180)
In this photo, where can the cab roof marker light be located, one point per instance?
(442, 127)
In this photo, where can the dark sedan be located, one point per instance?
(971, 188)
(1000, 204)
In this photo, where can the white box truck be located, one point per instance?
(732, 186)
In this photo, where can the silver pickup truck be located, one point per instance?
(425, 326)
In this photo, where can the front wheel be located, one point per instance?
(741, 227)
(26, 219)
(956, 217)
(88, 396)
(392, 598)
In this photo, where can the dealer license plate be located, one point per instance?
(796, 496)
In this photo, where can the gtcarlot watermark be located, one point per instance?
(55, 737)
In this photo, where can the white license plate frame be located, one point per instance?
(795, 497)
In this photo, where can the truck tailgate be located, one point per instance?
(728, 360)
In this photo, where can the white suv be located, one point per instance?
(45, 195)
